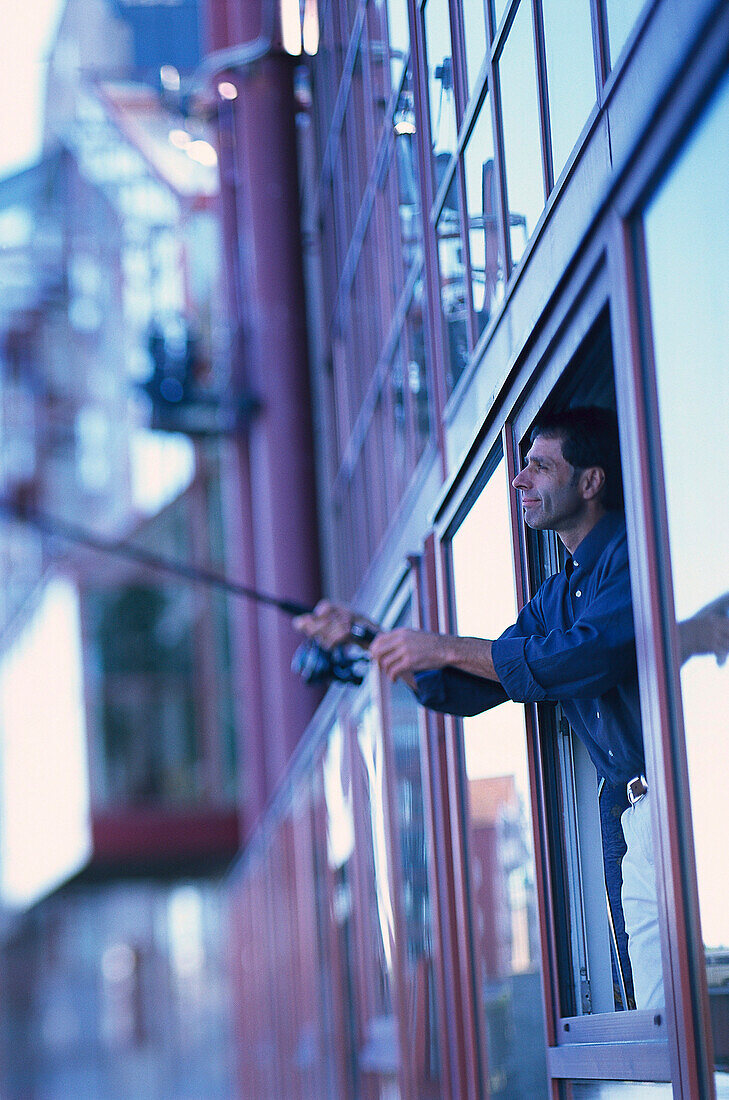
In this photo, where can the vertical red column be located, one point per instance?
(274, 466)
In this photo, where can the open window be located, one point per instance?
(593, 995)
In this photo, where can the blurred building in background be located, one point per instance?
(119, 755)
(282, 301)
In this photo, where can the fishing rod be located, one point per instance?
(311, 661)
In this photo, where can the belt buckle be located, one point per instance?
(637, 788)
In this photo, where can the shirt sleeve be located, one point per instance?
(581, 662)
(451, 691)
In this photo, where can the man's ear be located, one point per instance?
(592, 482)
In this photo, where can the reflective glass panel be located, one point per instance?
(570, 73)
(440, 84)
(406, 161)
(499, 9)
(687, 244)
(621, 16)
(379, 1056)
(474, 21)
(524, 180)
(453, 290)
(389, 43)
(399, 38)
(484, 236)
(501, 857)
(417, 370)
(143, 653)
(621, 1090)
(339, 828)
(408, 401)
(416, 903)
(381, 918)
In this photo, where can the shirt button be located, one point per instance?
(578, 592)
(610, 752)
(598, 714)
(575, 563)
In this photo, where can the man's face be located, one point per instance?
(549, 487)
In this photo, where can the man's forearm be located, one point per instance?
(471, 655)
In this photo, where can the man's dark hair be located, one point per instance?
(589, 437)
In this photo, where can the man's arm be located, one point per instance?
(707, 631)
(403, 652)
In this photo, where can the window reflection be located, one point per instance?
(453, 291)
(522, 143)
(382, 922)
(621, 17)
(501, 858)
(399, 38)
(570, 73)
(144, 660)
(399, 193)
(416, 902)
(337, 784)
(440, 79)
(417, 371)
(499, 7)
(620, 1090)
(487, 265)
(687, 244)
(474, 20)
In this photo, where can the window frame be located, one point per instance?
(618, 1046)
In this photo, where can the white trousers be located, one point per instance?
(640, 906)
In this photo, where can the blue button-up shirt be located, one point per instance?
(573, 643)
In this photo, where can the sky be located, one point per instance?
(28, 31)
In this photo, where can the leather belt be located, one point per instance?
(637, 788)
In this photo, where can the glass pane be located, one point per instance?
(408, 402)
(382, 923)
(380, 1056)
(440, 84)
(500, 7)
(399, 35)
(417, 371)
(570, 73)
(406, 161)
(398, 426)
(621, 16)
(143, 659)
(522, 143)
(484, 236)
(453, 291)
(687, 242)
(389, 42)
(620, 1090)
(474, 20)
(398, 198)
(416, 903)
(339, 827)
(501, 857)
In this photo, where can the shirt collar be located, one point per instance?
(593, 544)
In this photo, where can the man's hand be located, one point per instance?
(707, 631)
(330, 624)
(403, 651)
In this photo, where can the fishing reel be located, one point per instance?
(343, 663)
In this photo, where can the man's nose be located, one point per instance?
(520, 481)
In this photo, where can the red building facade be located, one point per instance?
(506, 206)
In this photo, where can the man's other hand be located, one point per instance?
(330, 624)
